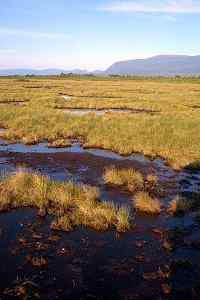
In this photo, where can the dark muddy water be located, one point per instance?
(158, 259)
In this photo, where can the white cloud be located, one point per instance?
(159, 6)
(32, 34)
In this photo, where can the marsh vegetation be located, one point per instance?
(73, 205)
(172, 132)
(75, 213)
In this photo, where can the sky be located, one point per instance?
(93, 34)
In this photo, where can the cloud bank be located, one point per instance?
(159, 6)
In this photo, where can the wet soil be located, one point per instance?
(158, 259)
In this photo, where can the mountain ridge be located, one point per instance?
(159, 65)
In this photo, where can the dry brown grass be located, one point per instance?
(144, 203)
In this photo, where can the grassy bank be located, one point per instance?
(71, 205)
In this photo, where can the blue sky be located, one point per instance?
(93, 34)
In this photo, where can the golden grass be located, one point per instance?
(144, 203)
(72, 205)
(123, 219)
(172, 133)
(128, 178)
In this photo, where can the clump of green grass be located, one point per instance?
(60, 143)
(72, 205)
(179, 205)
(143, 202)
(128, 178)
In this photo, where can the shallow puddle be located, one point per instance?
(66, 97)
(159, 166)
(188, 182)
(100, 112)
(75, 148)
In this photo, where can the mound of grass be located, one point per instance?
(71, 204)
(144, 203)
(128, 178)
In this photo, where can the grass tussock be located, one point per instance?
(144, 203)
(123, 219)
(72, 205)
(128, 178)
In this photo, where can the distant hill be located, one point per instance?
(161, 65)
(45, 72)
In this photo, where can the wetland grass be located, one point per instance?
(127, 178)
(172, 133)
(130, 179)
(144, 203)
(72, 205)
(123, 219)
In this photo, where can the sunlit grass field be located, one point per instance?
(72, 205)
(165, 120)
